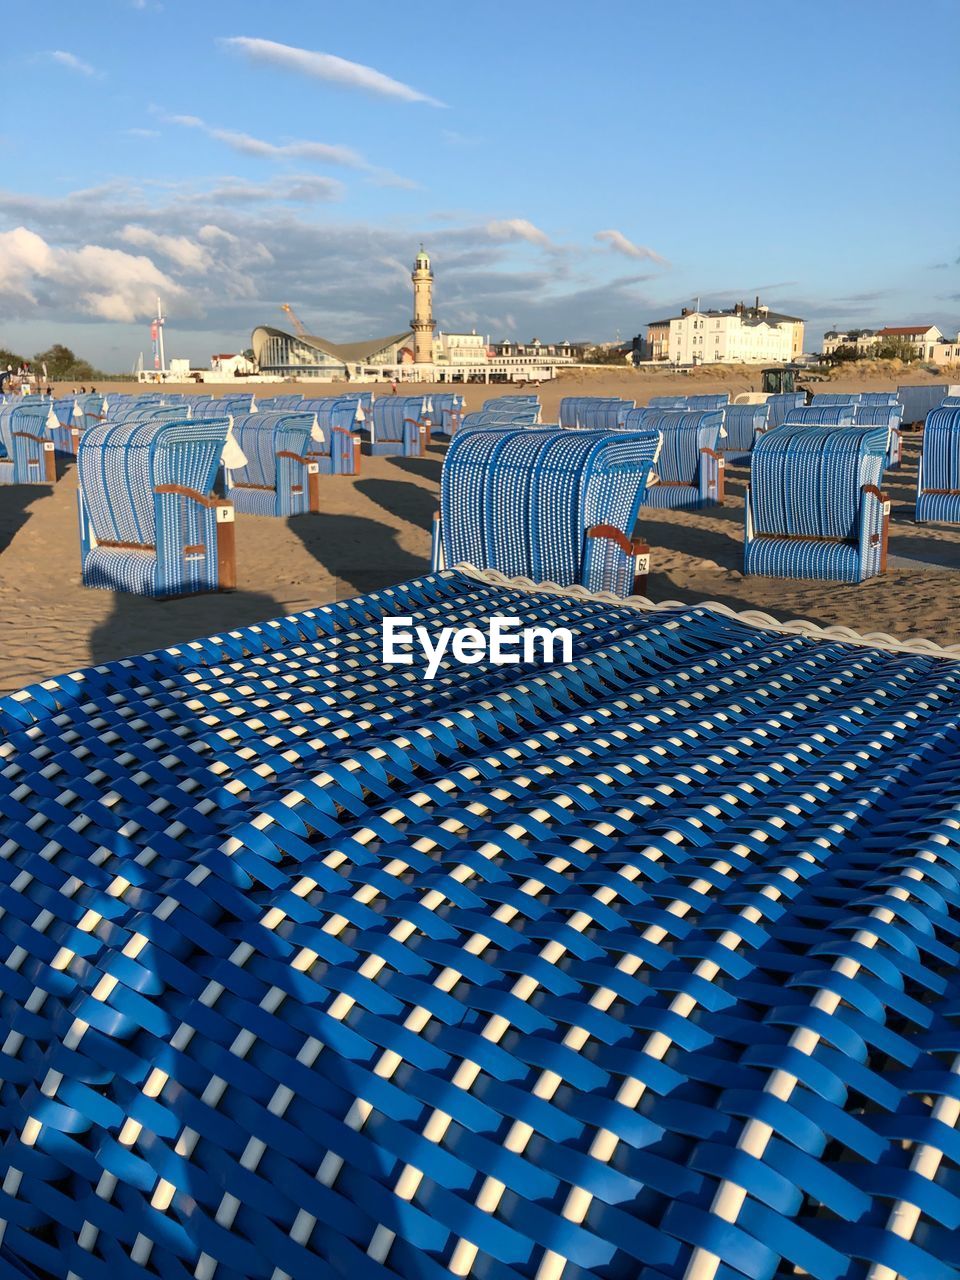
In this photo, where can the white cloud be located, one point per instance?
(107, 283)
(324, 152)
(517, 229)
(328, 67)
(142, 133)
(72, 61)
(184, 252)
(619, 243)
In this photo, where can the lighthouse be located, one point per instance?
(422, 323)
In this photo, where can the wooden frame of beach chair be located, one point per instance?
(635, 547)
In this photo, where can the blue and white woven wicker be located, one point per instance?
(545, 503)
(821, 415)
(690, 466)
(397, 426)
(26, 444)
(643, 965)
(148, 522)
(780, 405)
(938, 476)
(814, 507)
(281, 475)
(883, 415)
(742, 423)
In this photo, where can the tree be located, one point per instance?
(897, 348)
(62, 363)
(9, 358)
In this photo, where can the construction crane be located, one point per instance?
(297, 322)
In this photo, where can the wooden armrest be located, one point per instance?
(877, 493)
(629, 546)
(294, 457)
(713, 453)
(193, 494)
(28, 435)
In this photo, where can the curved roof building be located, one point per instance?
(308, 355)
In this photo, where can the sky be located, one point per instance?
(574, 171)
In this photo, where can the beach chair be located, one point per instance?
(570, 406)
(223, 406)
(814, 506)
(445, 412)
(833, 397)
(146, 412)
(666, 402)
(281, 473)
(604, 415)
(148, 522)
(877, 398)
(717, 401)
(742, 424)
(69, 417)
(336, 442)
(26, 447)
(822, 415)
(938, 475)
(883, 415)
(548, 504)
(690, 468)
(780, 405)
(524, 408)
(398, 427)
(276, 403)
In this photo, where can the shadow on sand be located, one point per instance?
(139, 625)
(361, 554)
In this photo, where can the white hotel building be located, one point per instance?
(741, 335)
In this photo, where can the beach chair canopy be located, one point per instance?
(814, 507)
(522, 502)
(397, 426)
(741, 424)
(780, 405)
(148, 522)
(883, 415)
(573, 407)
(835, 415)
(938, 479)
(223, 406)
(834, 397)
(277, 479)
(878, 398)
(690, 466)
(26, 446)
(446, 412)
(137, 411)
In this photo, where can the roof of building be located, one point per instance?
(764, 315)
(904, 329)
(348, 352)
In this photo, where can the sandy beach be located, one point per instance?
(375, 530)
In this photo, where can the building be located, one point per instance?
(865, 341)
(922, 337)
(658, 340)
(309, 356)
(232, 365)
(926, 340)
(414, 355)
(740, 335)
(460, 349)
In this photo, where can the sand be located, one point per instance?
(375, 530)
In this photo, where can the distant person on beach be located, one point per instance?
(393, 388)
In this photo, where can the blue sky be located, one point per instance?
(574, 172)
